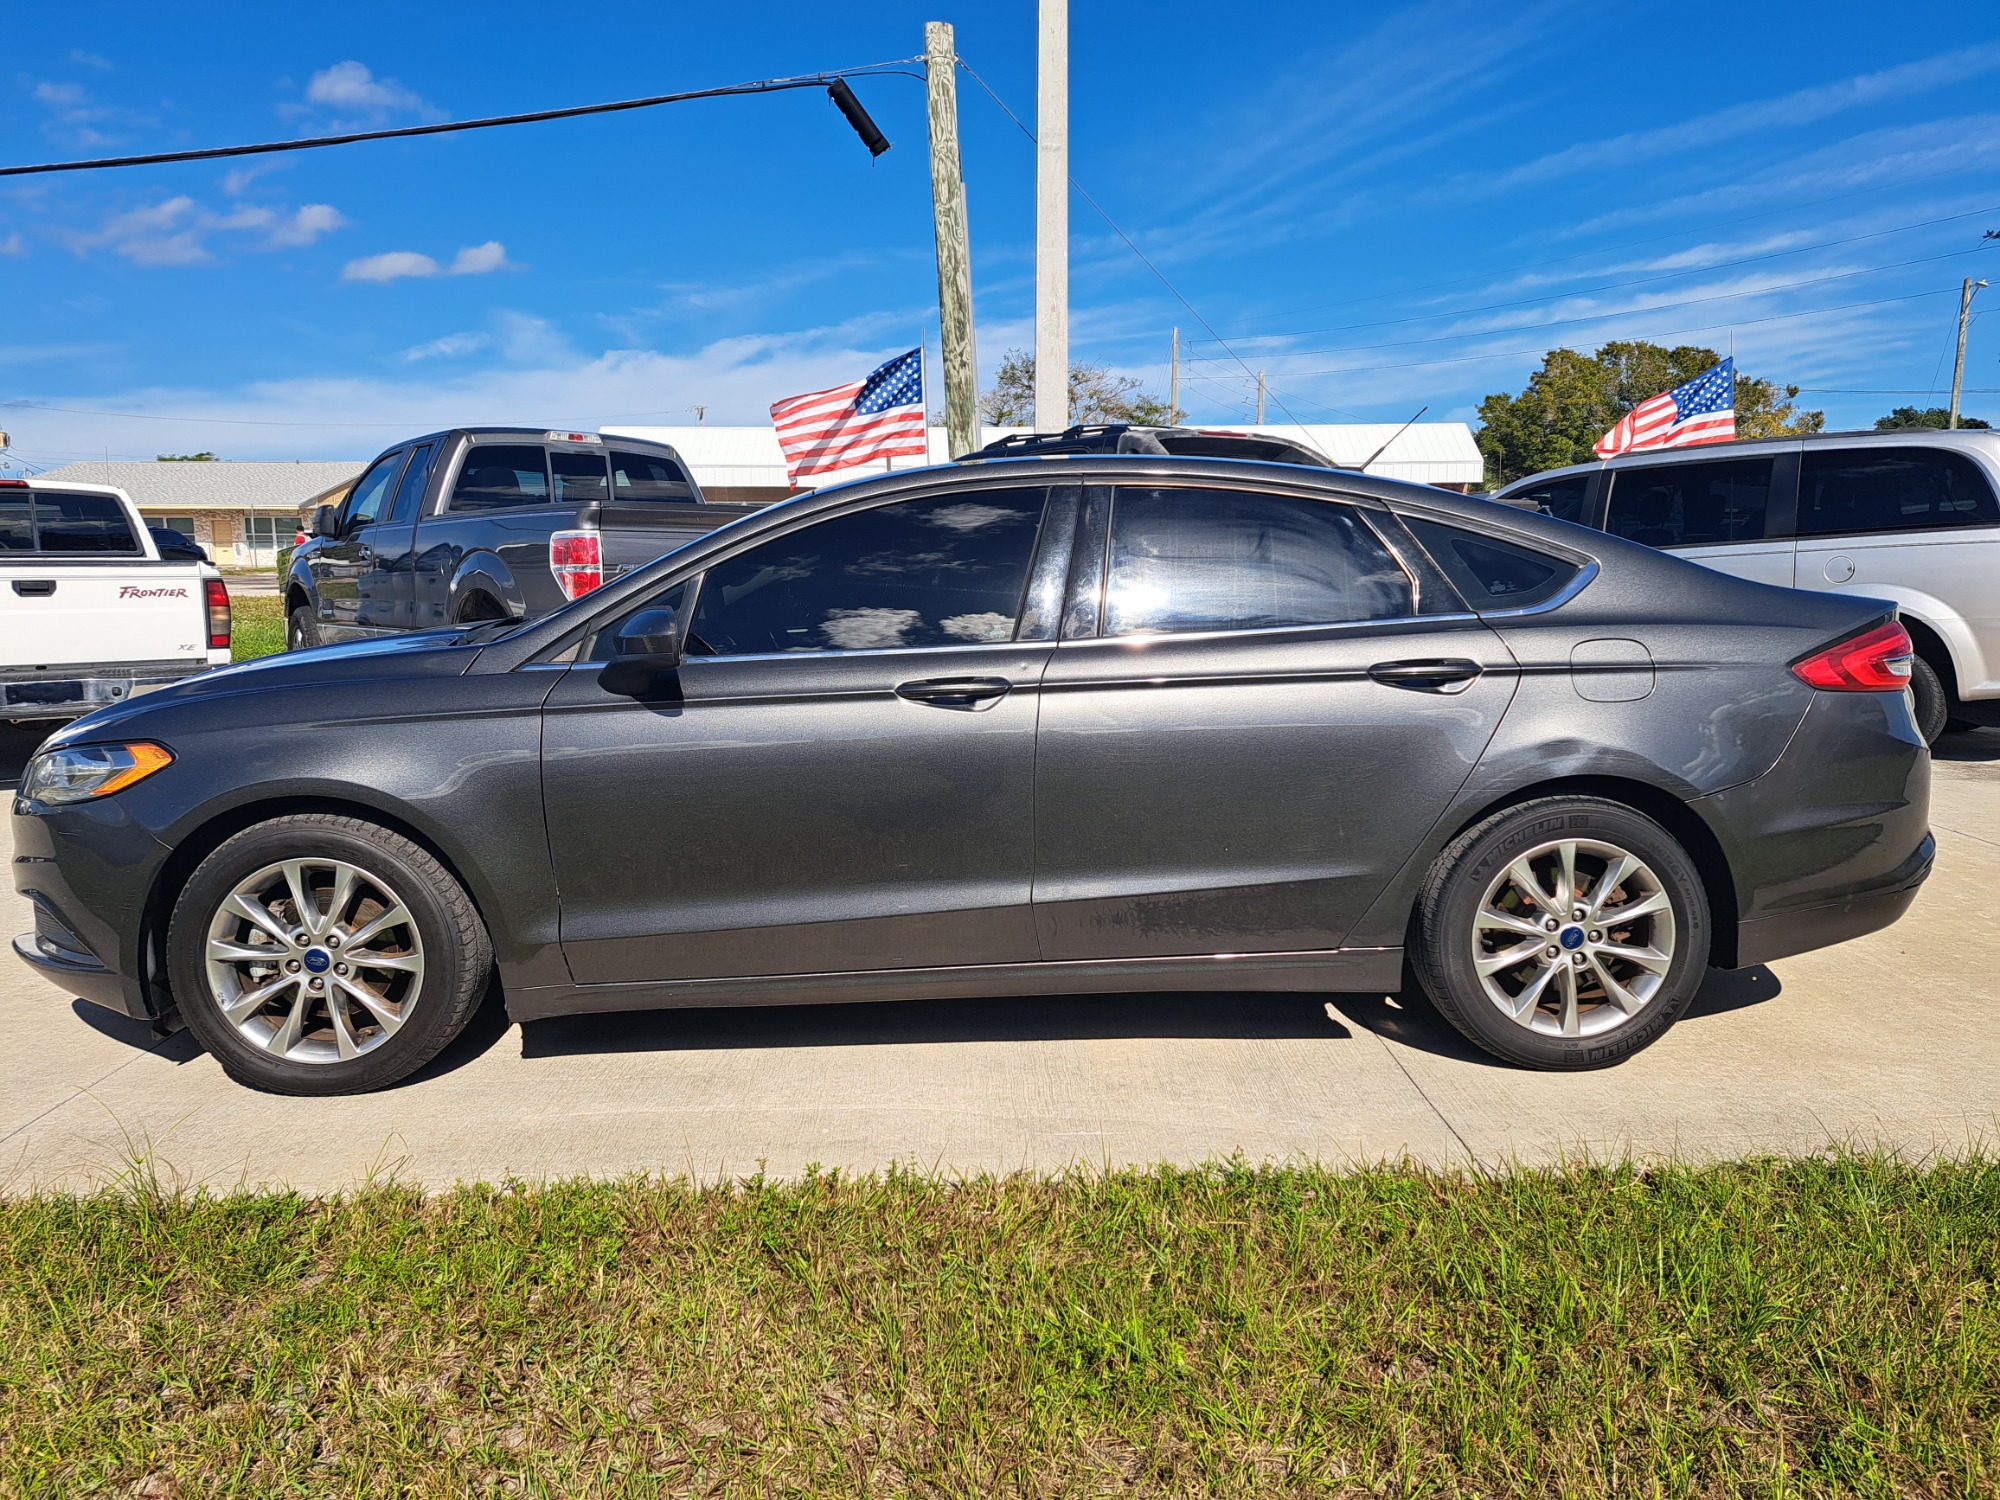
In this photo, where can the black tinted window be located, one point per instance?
(16, 535)
(370, 495)
(1678, 505)
(69, 522)
(1188, 559)
(945, 571)
(496, 476)
(410, 493)
(579, 477)
(1490, 573)
(1891, 489)
(642, 476)
(1561, 498)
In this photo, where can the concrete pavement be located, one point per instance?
(1889, 1040)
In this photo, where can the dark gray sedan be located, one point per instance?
(1022, 727)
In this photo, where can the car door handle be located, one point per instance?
(35, 588)
(1448, 675)
(956, 692)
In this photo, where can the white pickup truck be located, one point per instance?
(90, 612)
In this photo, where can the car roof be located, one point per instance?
(1984, 438)
(534, 434)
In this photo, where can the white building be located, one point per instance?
(745, 463)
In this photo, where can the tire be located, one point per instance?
(301, 629)
(1471, 898)
(426, 972)
(1930, 704)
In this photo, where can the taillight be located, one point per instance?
(1875, 661)
(577, 560)
(218, 614)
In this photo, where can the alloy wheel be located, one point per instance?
(314, 960)
(1574, 938)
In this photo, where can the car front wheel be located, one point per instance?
(1565, 933)
(321, 954)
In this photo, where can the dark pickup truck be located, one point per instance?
(488, 523)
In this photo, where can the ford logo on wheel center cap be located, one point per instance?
(319, 960)
(1572, 938)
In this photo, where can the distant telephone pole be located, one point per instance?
(1052, 220)
(954, 252)
(1958, 365)
(1260, 398)
(1174, 382)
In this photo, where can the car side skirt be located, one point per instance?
(1343, 970)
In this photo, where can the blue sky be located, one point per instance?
(1381, 207)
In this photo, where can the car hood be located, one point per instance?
(425, 653)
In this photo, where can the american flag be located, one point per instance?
(1702, 411)
(880, 417)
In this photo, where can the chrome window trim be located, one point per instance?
(819, 655)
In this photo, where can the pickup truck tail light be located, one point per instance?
(577, 560)
(1875, 661)
(218, 614)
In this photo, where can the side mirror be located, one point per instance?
(647, 646)
(322, 521)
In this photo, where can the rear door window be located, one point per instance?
(1691, 504)
(646, 476)
(579, 477)
(1489, 573)
(502, 476)
(17, 532)
(1195, 559)
(1561, 498)
(67, 521)
(410, 493)
(1846, 491)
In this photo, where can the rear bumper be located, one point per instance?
(1768, 938)
(71, 692)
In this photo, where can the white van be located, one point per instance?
(1909, 516)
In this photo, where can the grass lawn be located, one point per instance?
(257, 625)
(1816, 1327)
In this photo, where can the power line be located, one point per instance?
(834, 83)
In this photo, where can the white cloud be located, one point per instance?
(450, 346)
(89, 60)
(351, 93)
(395, 265)
(175, 231)
(14, 246)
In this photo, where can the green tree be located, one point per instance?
(1930, 416)
(1096, 394)
(1574, 399)
(185, 458)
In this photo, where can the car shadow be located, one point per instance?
(1972, 745)
(1250, 1016)
(178, 1047)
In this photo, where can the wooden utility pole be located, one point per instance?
(1958, 365)
(1052, 220)
(1174, 382)
(1260, 398)
(954, 252)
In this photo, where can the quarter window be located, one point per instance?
(1684, 505)
(1193, 559)
(948, 570)
(370, 495)
(502, 476)
(642, 476)
(1489, 573)
(1844, 490)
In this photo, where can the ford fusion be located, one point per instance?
(1056, 726)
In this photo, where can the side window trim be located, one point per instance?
(1090, 564)
(1042, 600)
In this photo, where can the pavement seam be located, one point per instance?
(1463, 1145)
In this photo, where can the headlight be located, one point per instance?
(86, 771)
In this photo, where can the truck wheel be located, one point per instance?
(301, 629)
(1929, 705)
(1563, 934)
(322, 954)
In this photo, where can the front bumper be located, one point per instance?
(82, 976)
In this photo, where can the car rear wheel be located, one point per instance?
(320, 954)
(301, 629)
(1565, 933)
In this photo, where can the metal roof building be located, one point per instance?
(728, 459)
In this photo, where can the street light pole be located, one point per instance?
(1052, 221)
(1958, 365)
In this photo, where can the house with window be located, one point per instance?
(244, 513)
